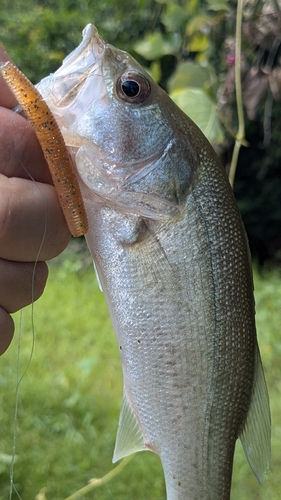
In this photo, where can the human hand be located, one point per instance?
(32, 226)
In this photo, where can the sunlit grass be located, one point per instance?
(70, 397)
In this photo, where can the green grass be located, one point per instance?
(70, 396)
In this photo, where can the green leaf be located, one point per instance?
(192, 6)
(188, 74)
(198, 43)
(173, 17)
(197, 23)
(202, 110)
(155, 71)
(165, 2)
(218, 5)
(155, 45)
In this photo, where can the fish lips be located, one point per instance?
(61, 88)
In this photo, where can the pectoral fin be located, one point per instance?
(97, 276)
(255, 437)
(129, 437)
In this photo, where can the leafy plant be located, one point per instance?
(188, 30)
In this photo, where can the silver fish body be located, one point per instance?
(171, 255)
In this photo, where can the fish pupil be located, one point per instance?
(131, 88)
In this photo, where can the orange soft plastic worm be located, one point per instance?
(53, 147)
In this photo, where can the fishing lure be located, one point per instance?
(53, 146)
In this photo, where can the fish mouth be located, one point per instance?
(88, 52)
(61, 88)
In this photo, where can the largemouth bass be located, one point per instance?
(172, 258)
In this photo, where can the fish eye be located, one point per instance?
(133, 87)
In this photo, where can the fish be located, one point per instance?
(172, 258)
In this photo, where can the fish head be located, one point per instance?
(121, 126)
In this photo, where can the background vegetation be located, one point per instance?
(188, 46)
(70, 396)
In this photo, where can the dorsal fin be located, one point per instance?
(255, 437)
(129, 437)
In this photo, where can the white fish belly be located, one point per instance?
(168, 294)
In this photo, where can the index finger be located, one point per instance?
(7, 98)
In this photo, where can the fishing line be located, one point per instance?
(15, 420)
(20, 377)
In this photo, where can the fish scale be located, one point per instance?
(172, 259)
(161, 358)
(186, 403)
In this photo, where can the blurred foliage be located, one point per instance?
(70, 396)
(188, 46)
(257, 189)
(39, 34)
